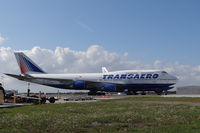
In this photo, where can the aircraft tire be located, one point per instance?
(92, 93)
(159, 91)
(132, 93)
(52, 100)
(143, 93)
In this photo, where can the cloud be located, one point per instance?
(2, 39)
(65, 60)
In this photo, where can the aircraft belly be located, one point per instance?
(140, 81)
(51, 83)
(147, 85)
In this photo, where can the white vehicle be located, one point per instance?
(129, 81)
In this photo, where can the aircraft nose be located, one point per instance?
(174, 78)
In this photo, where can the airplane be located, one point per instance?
(128, 81)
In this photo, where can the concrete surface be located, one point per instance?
(10, 105)
(187, 95)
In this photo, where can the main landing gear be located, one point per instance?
(132, 93)
(158, 91)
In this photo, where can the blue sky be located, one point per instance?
(167, 30)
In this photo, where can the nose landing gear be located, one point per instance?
(158, 91)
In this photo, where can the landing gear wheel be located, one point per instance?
(132, 93)
(52, 100)
(92, 93)
(143, 93)
(129, 93)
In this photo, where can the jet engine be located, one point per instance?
(126, 91)
(79, 84)
(110, 88)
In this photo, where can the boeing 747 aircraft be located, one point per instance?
(129, 81)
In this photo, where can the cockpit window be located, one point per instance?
(164, 72)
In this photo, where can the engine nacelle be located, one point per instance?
(79, 85)
(110, 88)
(126, 91)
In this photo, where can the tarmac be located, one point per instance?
(11, 105)
(85, 98)
(194, 95)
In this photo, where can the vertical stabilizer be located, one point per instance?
(26, 65)
(104, 70)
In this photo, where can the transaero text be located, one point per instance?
(130, 76)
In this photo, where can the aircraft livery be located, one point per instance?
(129, 81)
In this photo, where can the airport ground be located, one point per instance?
(148, 114)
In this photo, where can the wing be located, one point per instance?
(41, 80)
(65, 83)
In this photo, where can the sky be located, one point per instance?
(130, 34)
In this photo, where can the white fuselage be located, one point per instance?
(132, 78)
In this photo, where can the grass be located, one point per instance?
(119, 115)
(157, 98)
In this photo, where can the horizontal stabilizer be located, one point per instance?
(15, 76)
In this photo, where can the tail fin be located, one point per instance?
(26, 65)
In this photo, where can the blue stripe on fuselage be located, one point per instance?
(31, 66)
(147, 85)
